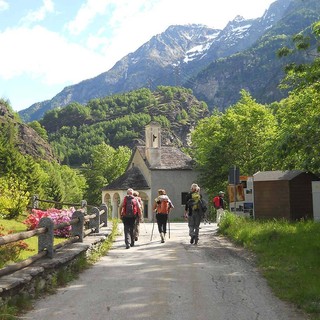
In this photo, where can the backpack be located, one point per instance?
(130, 206)
(163, 206)
(194, 201)
(216, 202)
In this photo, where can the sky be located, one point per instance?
(46, 45)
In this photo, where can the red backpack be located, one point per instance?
(130, 206)
(216, 202)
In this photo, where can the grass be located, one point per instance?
(288, 255)
(32, 242)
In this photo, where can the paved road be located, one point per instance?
(170, 281)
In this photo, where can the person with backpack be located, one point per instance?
(139, 218)
(194, 211)
(162, 206)
(219, 204)
(129, 212)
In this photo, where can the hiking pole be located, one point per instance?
(144, 224)
(152, 227)
(169, 225)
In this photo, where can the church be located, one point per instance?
(152, 167)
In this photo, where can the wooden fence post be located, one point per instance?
(35, 202)
(78, 228)
(104, 216)
(95, 223)
(45, 240)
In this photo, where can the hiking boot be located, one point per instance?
(196, 241)
(192, 239)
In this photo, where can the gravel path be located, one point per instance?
(171, 281)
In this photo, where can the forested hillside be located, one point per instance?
(120, 120)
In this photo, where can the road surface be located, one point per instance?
(171, 281)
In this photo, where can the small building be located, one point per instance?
(152, 167)
(283, 194)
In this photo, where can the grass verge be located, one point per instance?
(288, 254)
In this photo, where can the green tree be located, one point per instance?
(74, 184)
(14, 197)
(242, 136)
(42, 132)
(297, 145)
(301, 75)
(106, 165)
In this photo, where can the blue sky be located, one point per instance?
(46, 45)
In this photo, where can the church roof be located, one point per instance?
(132, 178)
(172, 158)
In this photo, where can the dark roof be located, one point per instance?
(172, 158)
(276, 175)
(132, 178)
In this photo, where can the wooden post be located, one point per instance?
(95, 223)
(45, 240)
(78, 228)
(104, 216)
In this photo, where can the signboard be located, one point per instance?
(243, 203)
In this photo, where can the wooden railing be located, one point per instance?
(82, 225)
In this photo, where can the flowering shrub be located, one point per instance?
(58, 216)
(10, 252)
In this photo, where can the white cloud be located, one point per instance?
(41, 13)
(86, 14)
(4, 5)
(47, 56)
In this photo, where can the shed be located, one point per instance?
(283, 194)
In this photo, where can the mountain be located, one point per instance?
(215, 64)
(257, 69)
(25, 138)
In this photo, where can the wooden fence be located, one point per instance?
(82, 224)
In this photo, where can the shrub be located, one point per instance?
(11, 251)
(57, 215)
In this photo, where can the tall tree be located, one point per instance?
(297, 145)
(106, 165)
(242, 136)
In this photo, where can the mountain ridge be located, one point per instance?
(180, 56)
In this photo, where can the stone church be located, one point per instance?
(152, 167)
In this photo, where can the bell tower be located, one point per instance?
(153, 143)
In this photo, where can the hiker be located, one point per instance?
(162, 206)
(139, 218)
(219, 204)
(194, 212)
(129, 210)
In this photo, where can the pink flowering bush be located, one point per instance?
(58, 216)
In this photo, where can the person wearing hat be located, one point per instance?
(193, 212)
(219, 204)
